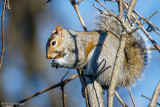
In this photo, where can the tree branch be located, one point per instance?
(151, 48)
(140, 25)
(119, 55)
(145, 19)
(62, 89)
(130, 10)
(155, 96)
(116, 67)
(130, 92)
(144, 30)
(149, 17)
(155, 30)
(62, 83)
(120, 100)
(74, 4)
(105, 8)
(120, 9)
(151, 39)
(91, 90)
(63, 96)
(149, 99)
(2, 29)
(127, 30)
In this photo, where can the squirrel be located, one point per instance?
(95, 51)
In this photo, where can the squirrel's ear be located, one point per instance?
(53, 31)
(59, 30)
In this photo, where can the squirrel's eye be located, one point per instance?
(53, 43)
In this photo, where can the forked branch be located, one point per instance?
(130, 9)
(143, 29)
(62, 83)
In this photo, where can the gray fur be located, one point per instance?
(100, 60)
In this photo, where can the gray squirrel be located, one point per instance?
(95, 52)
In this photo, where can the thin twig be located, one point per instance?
(145, 97)
(140, 25)
(130, 10)
(74, 4)
(130, 92)
(151, 39)
(111, 14)
(100, 10)
(151, 28)
(105, 7)
(65, 75)
(63, 96)
(2, 26)
(135, 21)
(151, 48)
(156, 31)
(149, 99)
(155, 96)
(120, 99)
(149, 17)
(62, 88)
(145, 19)
(118, 58)
(47, 89)
(120, 9)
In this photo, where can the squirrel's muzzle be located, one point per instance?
(49, 57)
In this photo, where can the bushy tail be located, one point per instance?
(135, 52)
(136, 57)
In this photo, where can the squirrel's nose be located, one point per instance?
(49, 57)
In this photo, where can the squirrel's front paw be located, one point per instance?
(55, 63)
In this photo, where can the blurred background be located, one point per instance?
(26, 70)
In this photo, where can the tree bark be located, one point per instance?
(155, 96)
(91, 90)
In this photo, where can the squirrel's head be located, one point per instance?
(55, 47)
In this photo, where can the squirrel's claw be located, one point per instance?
(55, 64)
